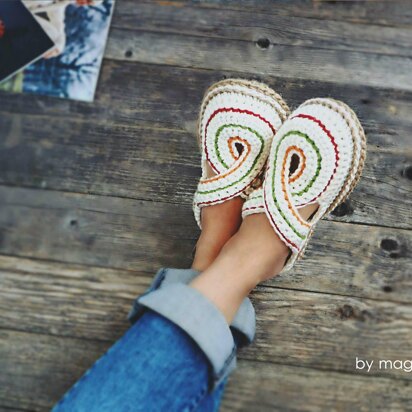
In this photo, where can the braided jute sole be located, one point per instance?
(237, 122)
(336, 165)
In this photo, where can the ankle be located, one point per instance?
(219, 223)
(208, 248)
(263, 253)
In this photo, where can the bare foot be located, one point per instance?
(219, 223)
(254, 254)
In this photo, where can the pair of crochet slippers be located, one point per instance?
(313, 155)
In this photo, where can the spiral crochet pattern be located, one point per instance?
(326, 138)
(237, 122)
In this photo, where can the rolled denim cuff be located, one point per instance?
(244, 322)
(170, 296)
(201, 320)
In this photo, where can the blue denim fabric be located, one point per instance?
(154, 367)
(170, 296)
(201, 320)
(175, 357)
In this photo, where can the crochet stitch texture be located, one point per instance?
(237, 122)
(329, 141)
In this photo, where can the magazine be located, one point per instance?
(22, 38)
(77, 30)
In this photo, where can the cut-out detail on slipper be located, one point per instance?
(237, 122)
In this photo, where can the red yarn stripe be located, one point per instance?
(253, 208)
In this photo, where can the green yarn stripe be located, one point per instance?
(312, 143)
(220, 158)
(225, 126)
(315, 176)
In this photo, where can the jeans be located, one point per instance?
(175, 357)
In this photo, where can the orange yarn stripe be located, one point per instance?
(218, 177)
(237, 138)
(302, 164)
(290, 207)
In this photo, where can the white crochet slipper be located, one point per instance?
(329, 142)
(237, 122)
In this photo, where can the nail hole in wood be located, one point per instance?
(389, 245)
(343, 209)
(407, 172)
(365, 101)
(73, 222)
(387, 289)
(364, 315)
(263, 43)
(128, 53)
(346, 312)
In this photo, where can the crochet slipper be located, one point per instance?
(329, 144)
(237, 122)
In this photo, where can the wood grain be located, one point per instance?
(95, 197)
(267, 388)
(316, 330)
(200, 21)
(162, 165)
(67, 300)
(143, 95)
(346, 259)
(38, 369)
(337, 66)
(328, 332)
(279, 387)
(382, 12)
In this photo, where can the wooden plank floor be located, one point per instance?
(95, 197)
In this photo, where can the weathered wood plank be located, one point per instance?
(347, 259)
(315, 330)
(72, 228)
(343, 67)
(169, 97)
(200, 21)
(267, 388)
(86, 305)
(67, 300)
(328, 332)
(161, 165)
(38, 369)
(384, 12)
(7, 409)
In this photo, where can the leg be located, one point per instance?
(212, 402)
(155, 366)
(219, 223)
(254, 254)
